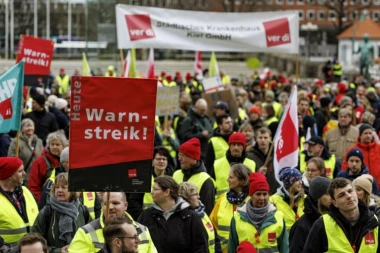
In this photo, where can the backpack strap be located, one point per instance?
(47, 213)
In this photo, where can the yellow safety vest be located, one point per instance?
(148, 199)
(277, 107)
(302, 142)
(270, 120)
(226, 80)
(337, 240)
(175, 122)
(242, 114)
(329, 165)
(266, 240)
(353, 86)
(337, 70)
(63, 83)
(166, 143)
(107, 74)
(220, 146)
(289, 215)
(210, 232)
(197, 179)
(222, 169)
(89, 238)
(12, 226)
(224, 216)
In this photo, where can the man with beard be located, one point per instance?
(316, 148)
(348, 227)
(339, 139)
(218, 143)
(120, 236)
(316, 204)
(259, 154)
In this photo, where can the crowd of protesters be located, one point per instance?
(214, 187)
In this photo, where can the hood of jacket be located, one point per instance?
(197, 168)
(180, 205)
(311, 208)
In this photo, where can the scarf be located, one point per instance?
(68, 215)
(234, 198)
(200, 210)
(257, 215)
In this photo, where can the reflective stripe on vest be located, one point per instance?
(148, 200)
(337, 70)
(222, 169)
(220, 146)
(197, 179)
(224, 216)
(166, 143)
(95, 231)
(266, 241)
(12, 226)
(210, 232)
(289, 215)
(337, 240)
(329, 165)
(89, 202)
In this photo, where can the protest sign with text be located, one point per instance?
(146, 27)
(37, 54)
(167, 101)
(111, 134)
(227, 96)
(212, 84)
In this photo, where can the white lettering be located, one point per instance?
(94, 113)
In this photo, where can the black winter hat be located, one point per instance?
(325, 101)
(318, 187)
(364, 127)
(40, 99)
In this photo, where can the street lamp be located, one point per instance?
(308, 27)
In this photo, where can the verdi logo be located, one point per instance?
(139, 27)
(7, 88)
(277, 32)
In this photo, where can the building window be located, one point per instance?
(365, 2)
(376, 2)
(321, 15)
(323, 2)
(310, 15)
(300, 2)
(301, 14)
(354, 15)
(332, 15)
(375, 15)
(279, 2)
(290, 2)
(354, 2)
(310, 1)
(270, 2)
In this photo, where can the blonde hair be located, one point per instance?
(58, 136)
(187, 188)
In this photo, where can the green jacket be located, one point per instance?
(46, 224)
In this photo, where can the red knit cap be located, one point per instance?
(257, 182)
(255, 109)
(191, 148)
(237, 138)
(246, 247)
(8, 166)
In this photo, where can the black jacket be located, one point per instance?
(259, 158)
(45, 123)
(192, 127)
(317, 239)
(182, 232)
(300, 230)
(62, 119)
(207, 192)
(210, 152)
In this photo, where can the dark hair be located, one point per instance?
(242, 172)
(161, 119)
(113, 228)
(33, 238)
(220, 118)
(270, 110)
(166, 182)
(263, 130)
(161, 150)
(337, 183)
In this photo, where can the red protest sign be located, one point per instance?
(111, 133)
(37, 54)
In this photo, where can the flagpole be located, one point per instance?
(122, 61)
(268, 154)
(297, 68)
(17, 143)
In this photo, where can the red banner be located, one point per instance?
(111, 133)
(37, 54)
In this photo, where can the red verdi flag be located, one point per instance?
(37, 54)
(111, 134)
(286, 139)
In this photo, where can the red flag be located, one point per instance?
(286, 139)
(198, 64)
(116, 137)
(37, 54)
(150, 72)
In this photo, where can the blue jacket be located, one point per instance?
(345, 174)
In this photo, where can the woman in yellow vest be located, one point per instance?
(189, 192)
(258, 221)
(59, 220)
(227, 203)
(290, 197)
(137, 202)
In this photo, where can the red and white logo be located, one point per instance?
(132, 173)
(369, 238)
(271, 237)
(6, 93)
(210, 226)
(89, 196)
(277, 32)
(139, 27)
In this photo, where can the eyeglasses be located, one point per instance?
(136, 237)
